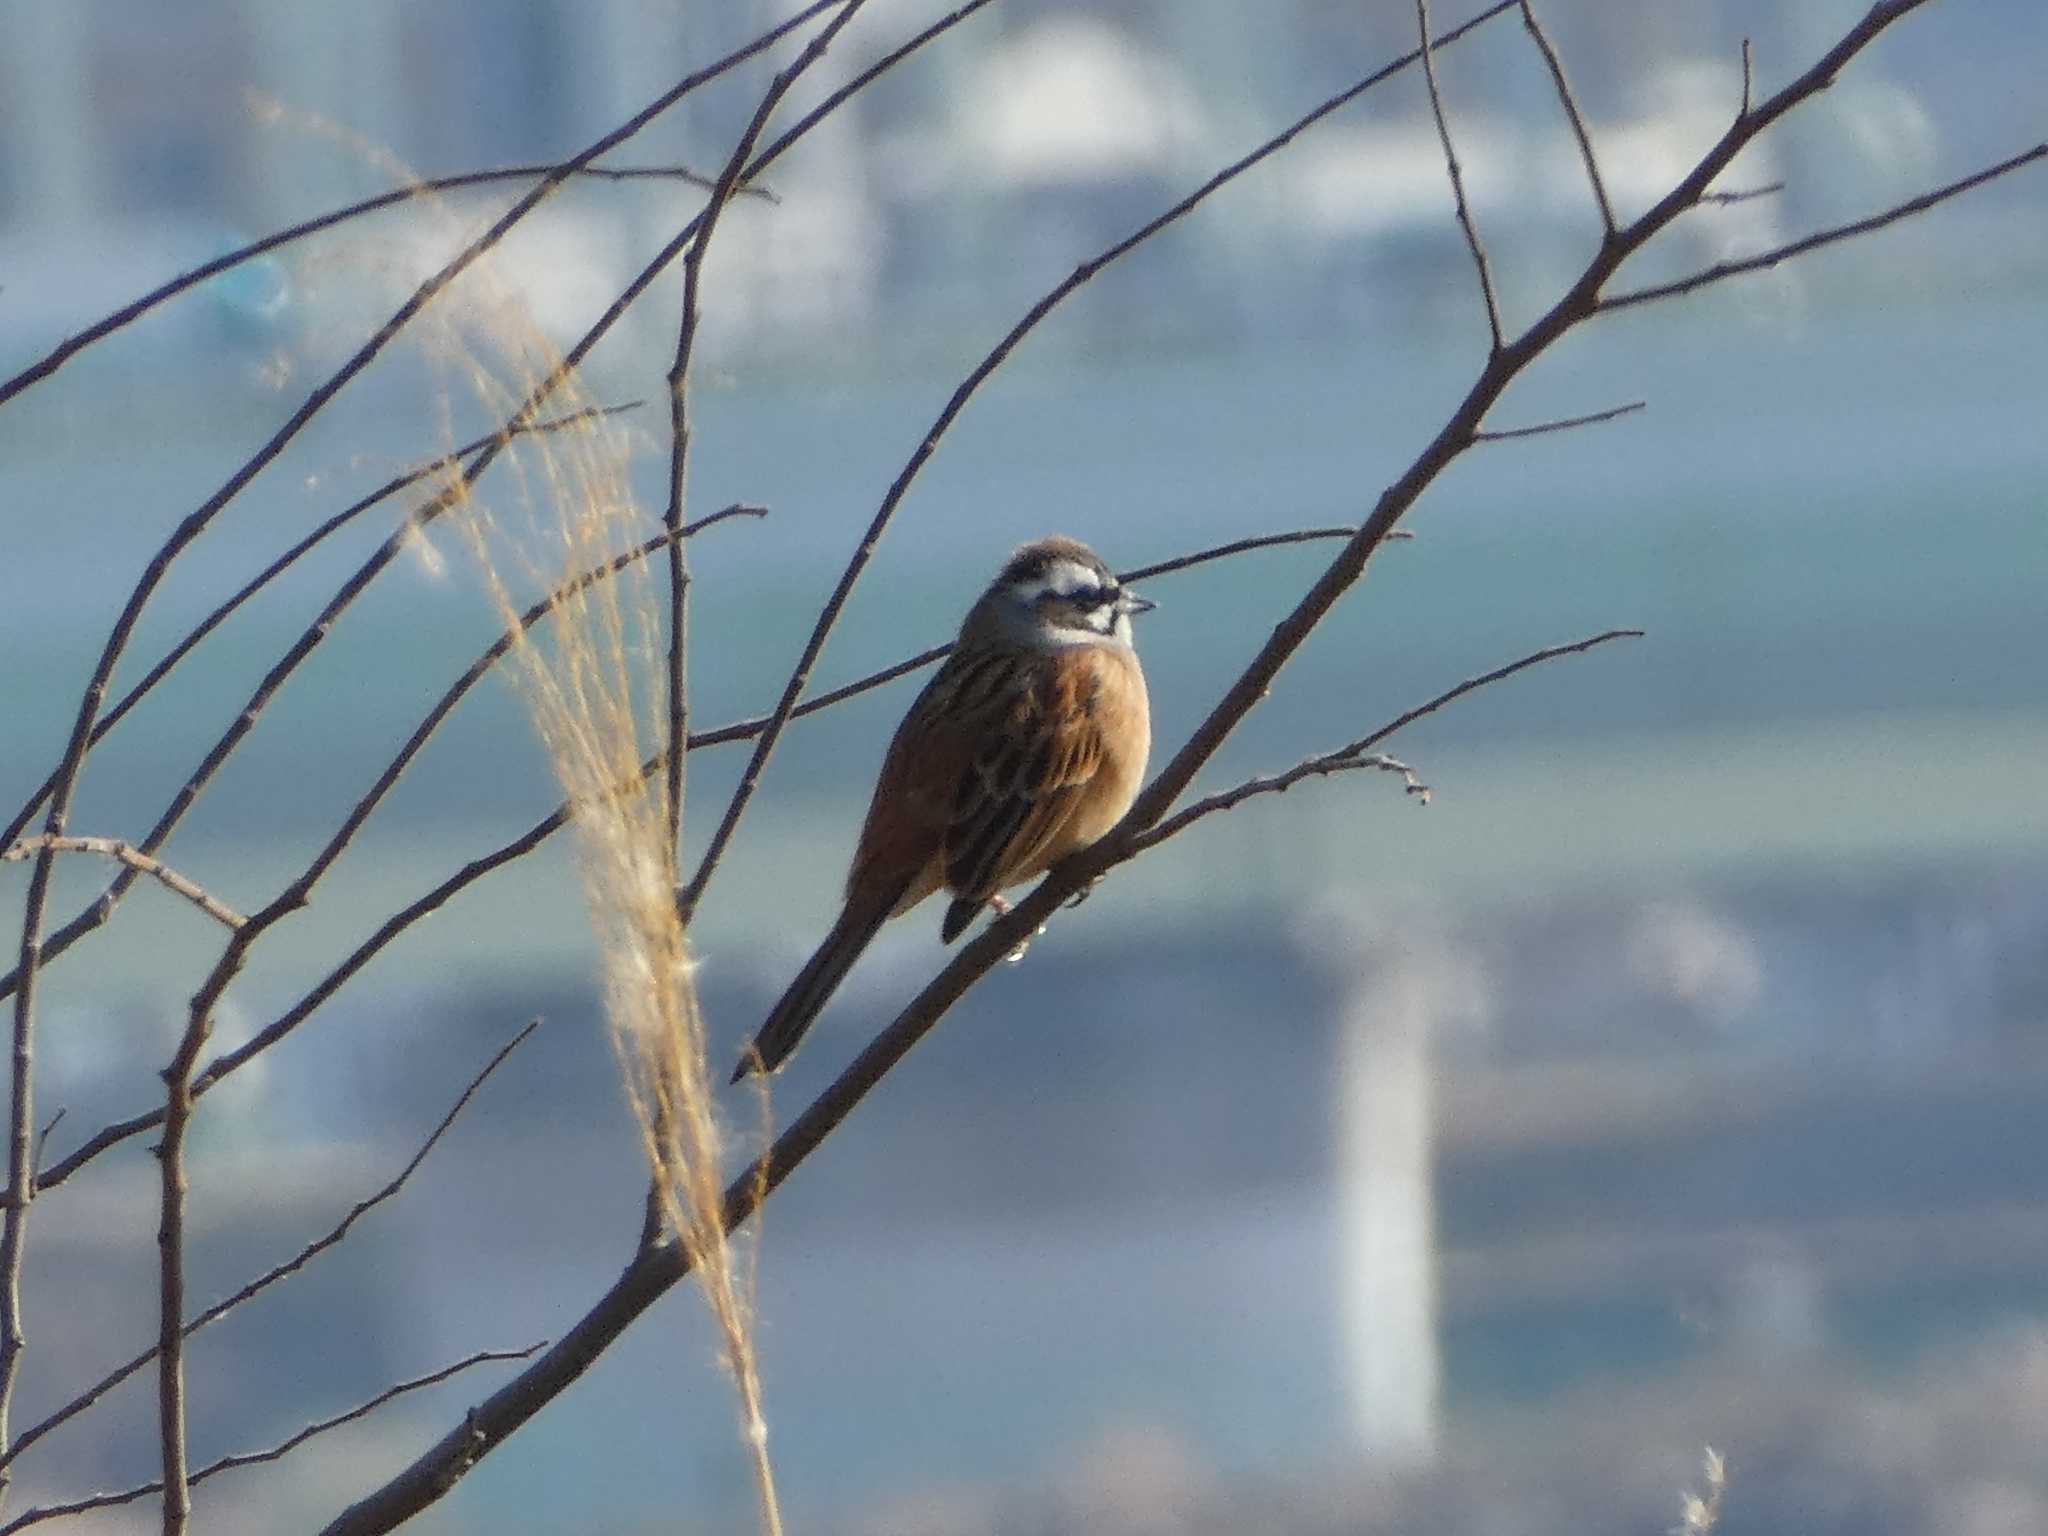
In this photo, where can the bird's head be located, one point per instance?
(1058, 591)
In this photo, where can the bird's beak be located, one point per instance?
(1129, 602)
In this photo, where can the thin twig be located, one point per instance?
(1562, 424)
(278, 1452)
(1572, 115)
(300, 889)
(43, 1136)
(1360, 754)
(828, 617)
(1736, 195)
(285, 1270)
(653, 1270)
(22, 1160)
(1737, 266)
(1237, 547)
(1319, 766)
(707, 220)
(135, 859)
(184, 282)
(1443, 133)
(278, 567)
(170, 1237)
(1748, 81)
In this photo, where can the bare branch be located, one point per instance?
(300, 889)
(43, 1136)
(1236, 547)
(412, 191)
(1572, 115)
(1359, 754)
(278, 567)
(276, 1452)
(1741, 195)
(1443, 133)
(1738, 266)
(828, 617)
(1562, 424)
(170, 1237)
(135, 859)
(1748, 81)
(677, 745)
(1340, 761)
(298, 1261)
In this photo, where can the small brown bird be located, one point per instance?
(1028, 744)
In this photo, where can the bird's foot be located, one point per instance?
(1084, 893)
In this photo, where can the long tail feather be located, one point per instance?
(814, 985)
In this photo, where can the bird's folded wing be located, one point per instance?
(1038, 749)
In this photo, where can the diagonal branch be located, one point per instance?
(1736, 195)
(298, 1261)
(677, 744)
(185, 282)
(278, 1452)
(1359, 754)
(1323, 764)
(828, 617)
(1572, 115)
(140, 862)
(278, 567)
(301, 888)
(1562, 424)
(1457, 174)
(1764, 260)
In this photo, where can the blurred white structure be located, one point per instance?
(1407, 986)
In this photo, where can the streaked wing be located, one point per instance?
(907, 820)
(1038, 747)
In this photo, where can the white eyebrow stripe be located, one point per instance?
(1065, 577)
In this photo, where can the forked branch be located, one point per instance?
(41, 1512)
(1572, 115)
(1360, 754)
(330, 1239)
(123, 853)
(1764, 260)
